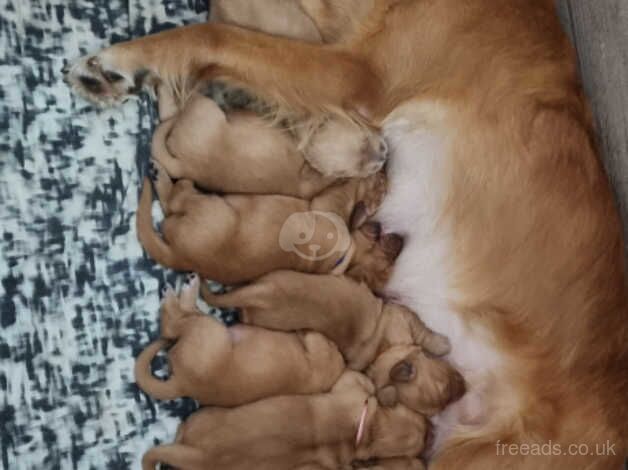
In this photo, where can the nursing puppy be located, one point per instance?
(329, 431)
(362, 325)
(243, 153)
(409, 375)
(513, 242)
(221, 366)
(237, 238)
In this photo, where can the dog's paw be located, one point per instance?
(166, 292)
(191, 281)
(100, 80)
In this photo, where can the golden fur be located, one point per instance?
(237, 238)
(221, 366)
(243, 153)
(536, 251)
(291, 432)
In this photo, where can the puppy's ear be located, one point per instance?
(456, 388)
(403, 371)
(387, 396)
(359, 216)
(372, 230)
(392, 244)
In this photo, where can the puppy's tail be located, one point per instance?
(154, 245)
(175, 455)
(156, 388)
(160, 151)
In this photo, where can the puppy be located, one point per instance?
(408, 374)
(328, 430)
(216, 365)
(243, 153)
(362, 325)
(237, 238)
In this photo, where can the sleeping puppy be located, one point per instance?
(216, 365)
(408, 374)
(362, 325)
(237, 238)
(243, 153)
(329, 430)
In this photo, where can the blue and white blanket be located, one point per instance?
(78, 299)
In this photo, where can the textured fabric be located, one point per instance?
(78, 300)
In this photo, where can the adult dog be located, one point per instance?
(513, 241)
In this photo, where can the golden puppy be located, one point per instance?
(237, 238)
(362, 325)
(329, 431)
(409, 375)
(243, 153)
(216, 365)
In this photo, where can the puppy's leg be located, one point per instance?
(302, 76)
(432, 342)
(177, 455)
(189, 292)
(167, 103)
(160, 151)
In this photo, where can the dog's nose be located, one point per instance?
(65, 69)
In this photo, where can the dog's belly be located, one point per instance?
(418, 191)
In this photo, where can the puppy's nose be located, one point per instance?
(65, 69)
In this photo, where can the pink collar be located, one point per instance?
(361, 423)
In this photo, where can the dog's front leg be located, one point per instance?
(298, 75)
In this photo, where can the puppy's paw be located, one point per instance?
(191, 281)
(99, 79)
(166, 292)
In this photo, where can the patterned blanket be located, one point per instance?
(78, 299)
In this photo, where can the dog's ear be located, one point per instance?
(456, 388)
(387, 396)
(392, 244)
(359, 216)
(403, 371)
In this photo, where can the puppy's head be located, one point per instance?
(342, 148)
(374, 256)
(409, 375)
(395, 431)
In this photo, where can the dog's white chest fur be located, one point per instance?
(418, 188)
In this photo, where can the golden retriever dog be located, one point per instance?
(237, 238)
(221, 366)
(326, 431)
(513, 242)
(242, 153)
